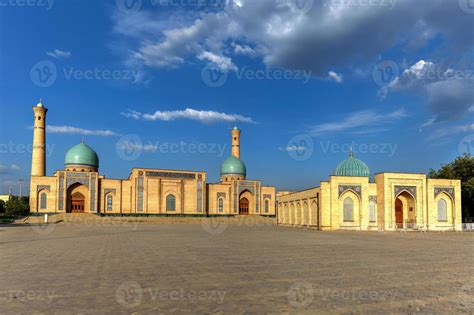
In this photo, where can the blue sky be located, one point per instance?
(159, 84)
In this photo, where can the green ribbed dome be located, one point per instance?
(82, 154)
(352, 167)
(233, 165)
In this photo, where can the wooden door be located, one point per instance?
(244, 206)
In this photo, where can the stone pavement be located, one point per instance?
(231, 269)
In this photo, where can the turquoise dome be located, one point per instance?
(352, 167)
(233, 165)
(82, 154)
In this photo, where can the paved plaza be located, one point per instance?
(237, 268)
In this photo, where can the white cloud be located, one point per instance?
(59, 54)
(8, 169)
(79, 131)
(244, 50)
(453, 130)
(329, 35)
(355, 121)
(448, 93)
(138, 147)
(335, 77)
(293, 148)
(204, 116)
(223, 63)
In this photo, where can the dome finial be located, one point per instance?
(40, 103)
(351, 155)
(82, 139)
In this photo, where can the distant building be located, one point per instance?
(4, 198)
(79, 187)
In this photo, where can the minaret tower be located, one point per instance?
(38, 158)
(236, 142)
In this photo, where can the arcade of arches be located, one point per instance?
(394, 201)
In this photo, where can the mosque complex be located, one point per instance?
(349, 200)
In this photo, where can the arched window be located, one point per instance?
(43, 201)
(442, 210)
(109, 203)
(372, 211)
(267, 206)
(348, 209)
(220, 205)
(170, 203)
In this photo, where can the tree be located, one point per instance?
(2, 206)
(461, 168)
(17, 206)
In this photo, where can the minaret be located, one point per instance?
(38, 158)
(236, 142)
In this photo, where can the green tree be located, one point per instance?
(461, 168)
(2, 206)
(17, 206)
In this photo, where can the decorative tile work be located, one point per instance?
(236, 198)
(92, 191)
(221, 194)
(257, 198)
(171, 175)
(199, 195)
(267, 196)
(61, 192)
(373, 198)
(355, 188)
(109, 190)
(409, 189)
(76, 180)
(448, 190)
(41, 187)
(140, 194)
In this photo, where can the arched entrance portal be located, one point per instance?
(405, 211)
(244, 206)
(77, 203)
(77, 198)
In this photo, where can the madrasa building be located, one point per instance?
(350, 200)
(80, 188)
